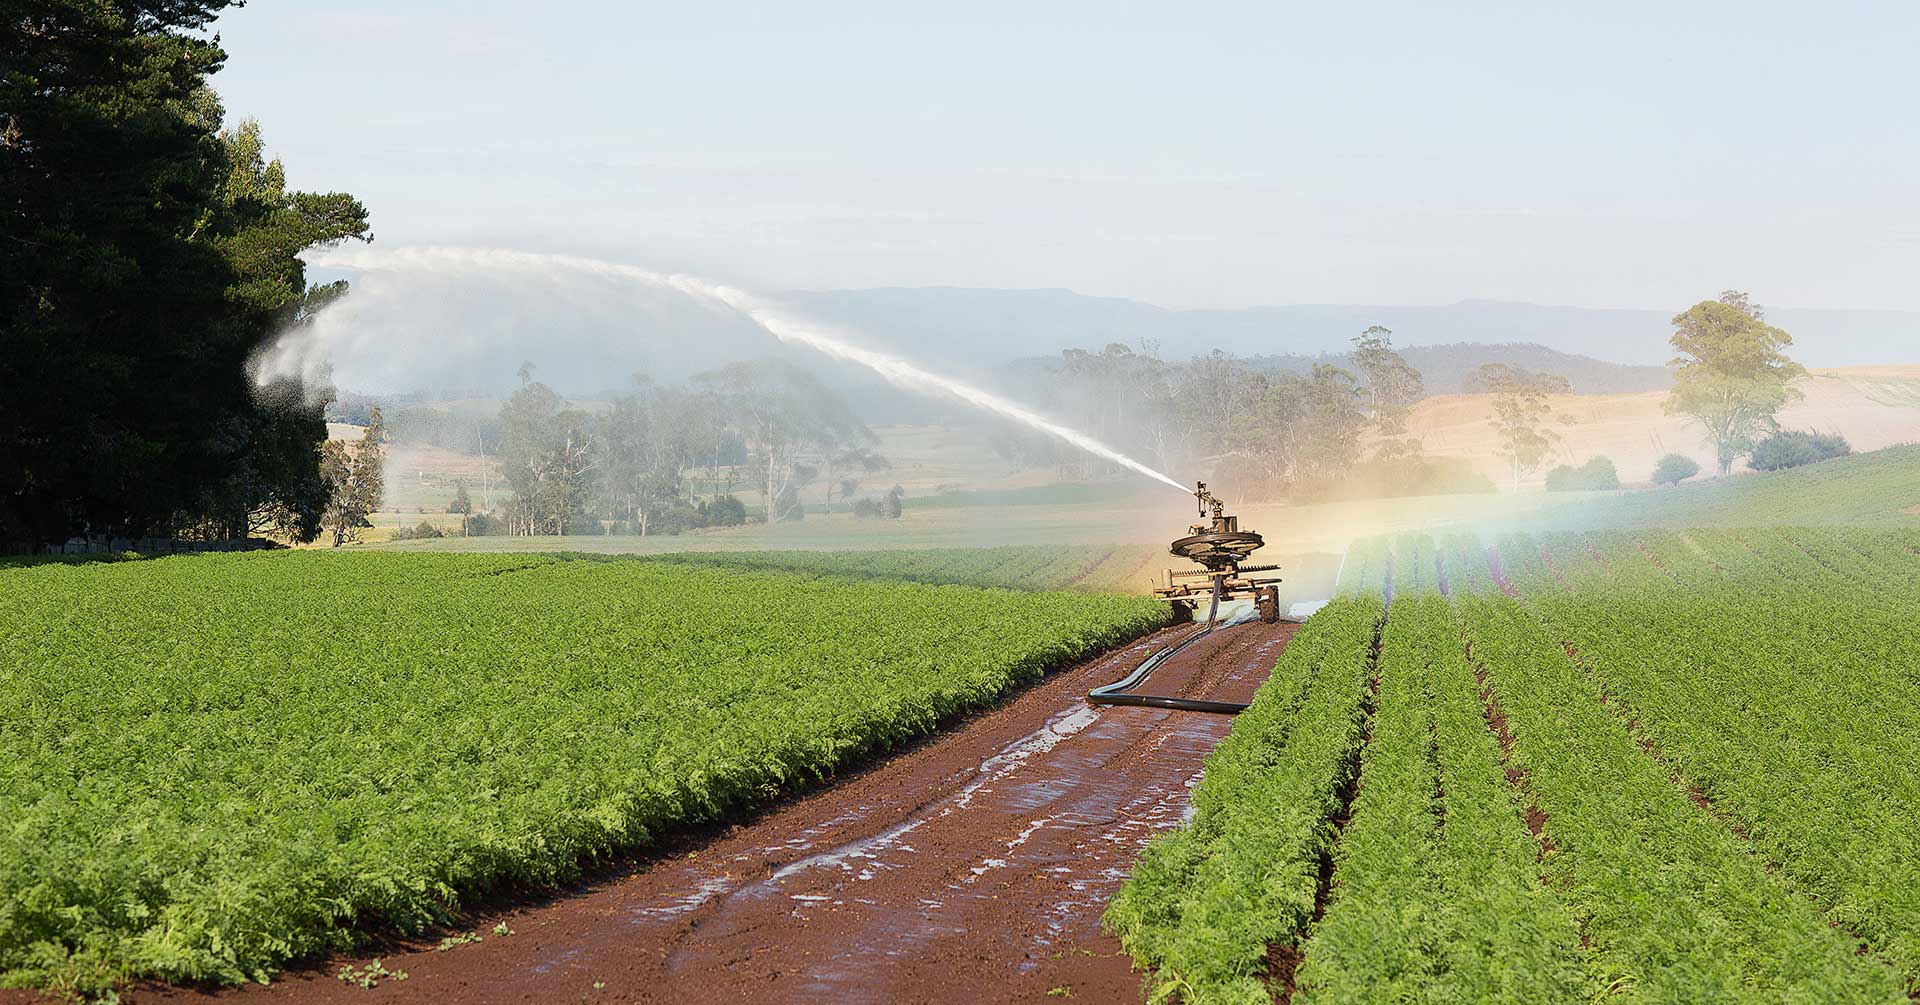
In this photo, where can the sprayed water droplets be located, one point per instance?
(304, 353)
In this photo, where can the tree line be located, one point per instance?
(147, 254)
(1337, 430)
(1262, 433)
(662, 458)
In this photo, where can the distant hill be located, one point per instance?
(981, 327)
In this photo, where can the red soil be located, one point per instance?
(972, 868)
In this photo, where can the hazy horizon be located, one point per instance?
(1635, 156)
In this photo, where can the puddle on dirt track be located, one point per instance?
(973, 868)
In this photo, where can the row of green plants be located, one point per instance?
(1014, 567)
(1793, 704)
(1435, 895)
(1207, 902)
(212, 765)
(1647, 767)
(1673, 904)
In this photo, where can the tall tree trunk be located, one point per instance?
(773, 498)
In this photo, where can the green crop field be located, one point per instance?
(1117, 569)
(1015, 567)
(1637, 766)
(1879, 488)
(210, 765)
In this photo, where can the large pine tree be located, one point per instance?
(145, 257)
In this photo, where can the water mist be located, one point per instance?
(302, 353)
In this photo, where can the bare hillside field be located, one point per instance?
(1872, 407)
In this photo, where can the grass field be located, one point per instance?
(210, 765)
(1639, 766)
(1881, 488)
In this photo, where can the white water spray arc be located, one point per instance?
(766, 316)
(906, 374)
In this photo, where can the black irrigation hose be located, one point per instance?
(1120, 692)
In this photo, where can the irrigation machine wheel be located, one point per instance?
(1268, 600)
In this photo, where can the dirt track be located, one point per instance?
(972, 868)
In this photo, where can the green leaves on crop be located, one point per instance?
(1013, 567)
(1713, 732)
(1435, 891)
(1207, 901)
(210, 765)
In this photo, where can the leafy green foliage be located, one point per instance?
(1206, 901)
(1791, 705)
(1435, 894)
(1393, 387)
(721, 511)
(145, 258)
(1303, 432)
(370, 976)
(1521, 411)
(1674, 469)
(1650, 766)
(1674, 905)
(210, 765)
(1732, 374)
(1597, 475)
(356, 481)
(1790, 448)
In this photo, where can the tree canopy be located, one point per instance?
(1731, 374)
(145, 258)
(1393, 386)
(1674, 469)
(783, 413)
(1521, 413)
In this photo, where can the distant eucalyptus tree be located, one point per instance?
(355, 476)
(1521, 412)
(785, 416)
(1731, 375)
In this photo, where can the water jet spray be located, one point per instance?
(763, 314)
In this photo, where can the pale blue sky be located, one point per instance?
(1214, 155)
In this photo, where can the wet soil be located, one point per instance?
(972, 868)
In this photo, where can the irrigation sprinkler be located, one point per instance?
(1220, 548)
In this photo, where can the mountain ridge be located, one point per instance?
(961, 325)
